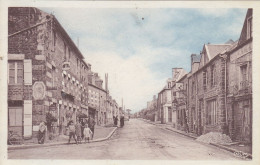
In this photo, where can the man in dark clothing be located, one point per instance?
(115, 121)
(91, 124)
(122, 121)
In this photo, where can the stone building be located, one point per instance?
(176, 89)
(180, 100)
(220, 88)
(46, 73)
(239, 84)
(206, 94)
(164, 103)
(97, 99)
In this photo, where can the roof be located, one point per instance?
(215, 49)
(243, 36)
(92, 85)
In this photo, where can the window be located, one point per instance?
(53, 76)
(212, 76)
(243, 74)
(211, 115)
(204, 80)
(15, 117)
(249, 27)
(65, 50)
(193, 88)
(15, 71)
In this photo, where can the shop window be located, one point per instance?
(15, 116)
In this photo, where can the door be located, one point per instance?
(199, 117)
(246, 124)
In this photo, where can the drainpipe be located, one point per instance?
(224, 56)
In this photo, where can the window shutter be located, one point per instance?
(27, 118)
(27, 72)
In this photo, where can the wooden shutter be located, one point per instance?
(27, 118)
(27, 72)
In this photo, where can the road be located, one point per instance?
(138, 140)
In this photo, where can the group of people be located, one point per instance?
(122, 121)
(81, 131)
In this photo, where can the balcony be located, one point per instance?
(245, 87)
(68, 96)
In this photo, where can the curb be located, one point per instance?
(55, 144)
(240, 153)
(193, 137)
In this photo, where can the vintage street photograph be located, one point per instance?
(136, 83)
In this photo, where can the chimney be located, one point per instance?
(106, 82)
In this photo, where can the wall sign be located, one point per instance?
(38, 90)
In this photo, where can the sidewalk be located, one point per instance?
(240, 151)
(100, 134)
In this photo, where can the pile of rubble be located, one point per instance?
(215, 137)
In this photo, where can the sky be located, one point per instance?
(138, 47)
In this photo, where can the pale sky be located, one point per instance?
(139, 47)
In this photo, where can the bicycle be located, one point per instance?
(14, 139)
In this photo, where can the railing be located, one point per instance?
(245, 86)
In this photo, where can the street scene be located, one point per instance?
(138, 140)
(130, 84)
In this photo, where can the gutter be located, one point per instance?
(11, 35)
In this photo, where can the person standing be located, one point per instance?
(122, 121)
(78, 131)
(82, 128)
(41, 133)
(92, 126)
(115, 121)
(72, 130)
(87, 133)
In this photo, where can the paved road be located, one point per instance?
(137, 140)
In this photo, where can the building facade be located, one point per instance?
(239, 87)
(45, 73)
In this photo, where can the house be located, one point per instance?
(239, 85)
(164, 103)
(46, 73)
(176, 89)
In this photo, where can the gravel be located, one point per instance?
(215, 137)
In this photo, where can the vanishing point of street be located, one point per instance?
(137, 140)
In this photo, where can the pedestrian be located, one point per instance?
(115, 121)
(42, 132)
(122, 121)
(71, 127)
(91, 125)
(78, 131)
(87, 133)
(82, 128)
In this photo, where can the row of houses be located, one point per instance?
(216, 95)
(48, 76)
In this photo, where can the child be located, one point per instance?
(87, 132)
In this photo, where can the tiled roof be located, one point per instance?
(213, 49)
